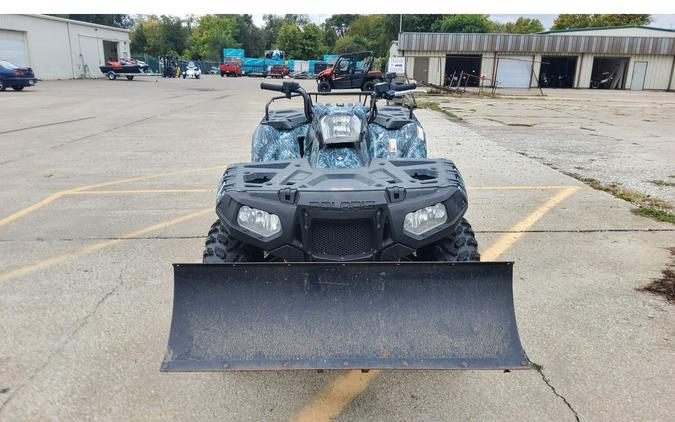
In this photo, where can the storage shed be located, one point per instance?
(628, 57)
(59, 48)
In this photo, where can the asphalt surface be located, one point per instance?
(616, 137)
(107, 183)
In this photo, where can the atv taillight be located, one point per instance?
(18, 73)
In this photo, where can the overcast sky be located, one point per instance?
(660, 21)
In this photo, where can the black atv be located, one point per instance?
(351, 70)
(341, 183)
(331, 185)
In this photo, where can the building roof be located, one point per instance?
(599, 28)
(535, 43)
(76, 22)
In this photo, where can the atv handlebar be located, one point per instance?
(290, 88)
(271, 87)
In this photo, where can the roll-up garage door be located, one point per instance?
(13, 47)
(514, 71)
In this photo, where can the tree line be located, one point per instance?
(204, 37)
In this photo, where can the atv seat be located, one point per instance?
(286, 119)
(393, 117)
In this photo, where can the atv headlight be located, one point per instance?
(258, 221)
(340, 128)
(421, 221)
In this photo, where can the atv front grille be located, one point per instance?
(342, 238)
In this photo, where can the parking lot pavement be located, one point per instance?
(622, 137)
(108, 183)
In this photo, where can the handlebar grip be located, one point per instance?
(404, 87)
(271, 87)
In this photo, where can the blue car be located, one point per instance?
(16, 77)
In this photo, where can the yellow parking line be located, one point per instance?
(54, 196)
(337, 395)
(48, 200)
(132, 191)
(46, 263)
(516, 231)
(518, 187)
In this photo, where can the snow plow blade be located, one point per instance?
(276, 316)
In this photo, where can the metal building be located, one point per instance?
(629, 57)
(59, 48)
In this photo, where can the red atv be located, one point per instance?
(279, 71)
(230, 68)
(351, 70)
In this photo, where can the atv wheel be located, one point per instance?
(368, 86)
(221, 248)
(324, 86)
(461, 245)
(17, 88)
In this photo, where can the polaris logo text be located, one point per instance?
(342, 204)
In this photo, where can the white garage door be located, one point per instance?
(13, 47)
(90, 58)
(514, 71)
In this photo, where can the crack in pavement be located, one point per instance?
(71, 336)
(547, 381)
(46, 125)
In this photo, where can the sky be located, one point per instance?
(660, 21)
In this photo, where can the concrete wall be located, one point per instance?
(53, 43)
(658, 71)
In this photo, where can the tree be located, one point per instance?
(521, 26)
(368, 32)
(299, 20)
(248, 35)
(464, 23)
(158, 35)
(289, 39)
(339, 24)
(212, 34)
(349, 44)
(598, 20)
(311, 42)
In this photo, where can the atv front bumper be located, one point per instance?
(341, 215)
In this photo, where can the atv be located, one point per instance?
(351, 70)
(192, 71)
(342, 245)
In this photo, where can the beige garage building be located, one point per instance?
(60, 48)
(630, 57)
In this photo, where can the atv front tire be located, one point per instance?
(221, 248)
(461, 245)
(324, 86)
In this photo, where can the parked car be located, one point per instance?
(279, 71)
(230, 69)
(15, 76)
